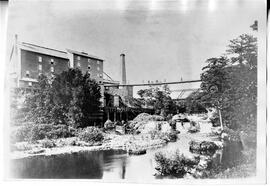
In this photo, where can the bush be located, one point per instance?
(176, 165)
(21, 133)
(33, 132)
(46, 143)
(91, 134)
(41, 131)
(203, 147)
(172, 136)
(166, 136)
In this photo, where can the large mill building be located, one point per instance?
(28, 61)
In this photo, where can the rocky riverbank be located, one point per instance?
(112, 141)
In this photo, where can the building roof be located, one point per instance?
(43, 50)
(53, 52)
(84, 54)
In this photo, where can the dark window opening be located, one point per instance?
(27, 73)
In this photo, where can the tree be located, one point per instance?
(158, 98)
(230, 83)
(194, 104)
(69, 98)
(244, 50)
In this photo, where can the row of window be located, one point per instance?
(88, 67)
(52, 70)
(78, 58)
(78, 64)
(40, 60)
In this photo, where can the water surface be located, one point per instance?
(108, 165)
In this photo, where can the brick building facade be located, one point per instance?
(28, 61)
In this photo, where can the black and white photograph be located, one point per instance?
(136, 91)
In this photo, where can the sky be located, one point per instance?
(162, 39)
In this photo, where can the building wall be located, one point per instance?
(30, 62)
(87, 64)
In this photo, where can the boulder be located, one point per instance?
(36, 151)
(109, 124)
(137, 152)
(199, 146)
(216, 130)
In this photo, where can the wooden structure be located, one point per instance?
(123, 113)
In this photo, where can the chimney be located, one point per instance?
(16, 39)
(123, 69)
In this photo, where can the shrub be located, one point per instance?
(47, 143)
(176, 165)
(172, 135)
(41, 131)
(91, 134)
(21, 133)
(33, 132)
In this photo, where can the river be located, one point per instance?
(108, 165)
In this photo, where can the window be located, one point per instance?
(39, 59)
(39, 67)
(27, 73)
(78, 64)
(89, 67)
(52, 61)
(98, 68)
(30, 84)
(78, 58)
(52, 69)
(88, 60)
(98, 62)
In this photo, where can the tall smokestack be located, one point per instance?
(123, 69)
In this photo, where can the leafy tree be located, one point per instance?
(69, 98)
(230, 83)
(193, 105)
(159, 99)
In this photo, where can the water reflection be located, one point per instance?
(109, 165)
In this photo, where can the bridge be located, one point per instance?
(179, 96)
(151, 84)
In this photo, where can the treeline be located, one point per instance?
(229, 83)
(69, 98)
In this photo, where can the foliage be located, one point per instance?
(47, 143)
(68, 98)
(159, 99)
(91, 134)
(229, 83)
(41, 131)
(33, 132)
(170, 136)
(194, 106)
(177, 165)
(21, 133)
(142, 120)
